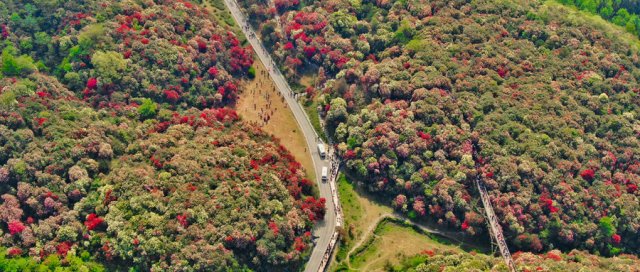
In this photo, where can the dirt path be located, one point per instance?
(365, 236)
(370, 231)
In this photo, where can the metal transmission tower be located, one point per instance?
(496, 230)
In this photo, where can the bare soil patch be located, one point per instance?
(262, 103)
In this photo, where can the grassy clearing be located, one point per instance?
(354, 212)
(360, 213)
(256, 95)
(391, 240)
(308, 79)
(360, 209)
(392, 243)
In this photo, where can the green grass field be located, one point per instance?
(391, 241)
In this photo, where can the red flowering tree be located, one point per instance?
(15, 227)
(588, 174)
(92, 83)
(299, 244)
(182, 219)
(309, 51)
(213, 72)
(63, 248)
(240, 59)
(93, 221)
(288, 46)
(172, 96)
(4, 31)
(14, 251)
(616, 239)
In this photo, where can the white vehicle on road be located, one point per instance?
(325, 171)
(322, 151)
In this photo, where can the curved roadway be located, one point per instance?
(324, 229)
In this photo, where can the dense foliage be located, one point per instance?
(135, 192)
(168, 51)
(437, 261)
(624, 13)
(69, 263)
(425, 97)
(115, 145)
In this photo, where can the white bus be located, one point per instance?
(324, 173)
(322, 151)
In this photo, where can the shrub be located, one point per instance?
(251, 72)
(147, 109)
(14, 66)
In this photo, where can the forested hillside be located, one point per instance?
(431, 261)
(624, 13)
(112, 52)
(119, 145)
(424, 97)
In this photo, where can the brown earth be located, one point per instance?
(260, 102)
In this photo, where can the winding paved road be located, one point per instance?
(324, 229)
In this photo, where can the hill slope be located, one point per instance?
(425, 96)
(117, 144)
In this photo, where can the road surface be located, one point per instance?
(324, 229)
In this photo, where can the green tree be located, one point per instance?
(148, 109)
(606, 226)
(404, 33)
(109, 65)
(621, 18)
(251, 72)
(589, 5)
(90, 34)
(343, 22)
(337, 111)
(14, 66)
(631, 25)
(607, 9)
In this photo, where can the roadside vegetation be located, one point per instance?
(311, 107)
(223, 17)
